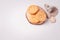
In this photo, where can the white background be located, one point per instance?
(14, 25)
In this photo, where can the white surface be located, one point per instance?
(14, 25)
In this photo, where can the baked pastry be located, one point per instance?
(36, 15)
(33, 9)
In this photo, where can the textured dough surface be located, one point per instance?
(33, 9)
(38, 18)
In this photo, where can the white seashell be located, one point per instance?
(52, 11)
(52, 19)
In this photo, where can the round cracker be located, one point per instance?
(38, 18)
(33, 9)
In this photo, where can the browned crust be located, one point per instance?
(35, 23)
(39, 23)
